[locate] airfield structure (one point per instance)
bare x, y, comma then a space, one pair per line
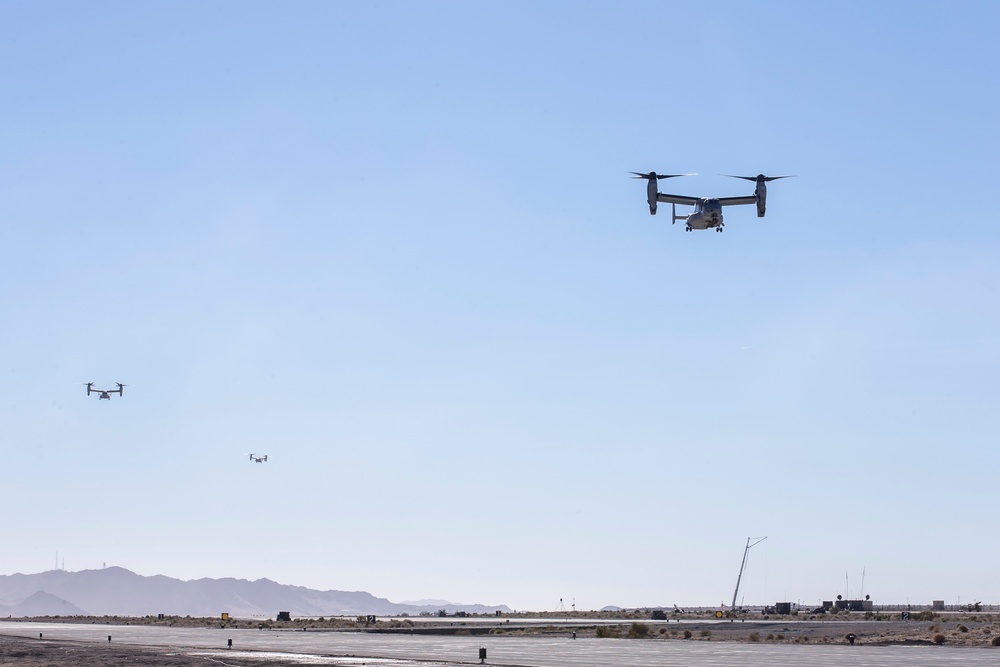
746, 552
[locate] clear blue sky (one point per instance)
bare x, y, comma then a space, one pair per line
395, 246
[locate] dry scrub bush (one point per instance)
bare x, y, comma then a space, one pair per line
755, 637
638, 630
939, 639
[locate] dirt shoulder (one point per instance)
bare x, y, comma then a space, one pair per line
26, 652
879, 633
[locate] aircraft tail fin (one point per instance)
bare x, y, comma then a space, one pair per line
673, 214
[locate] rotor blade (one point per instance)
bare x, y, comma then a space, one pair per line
653, 174
757, 177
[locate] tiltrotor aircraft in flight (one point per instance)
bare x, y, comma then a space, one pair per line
105, 393
707, 210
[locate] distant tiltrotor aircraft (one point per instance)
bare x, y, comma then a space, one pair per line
259, 459
707, 210
105, 393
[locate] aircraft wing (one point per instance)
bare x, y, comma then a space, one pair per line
678, 199
733, 201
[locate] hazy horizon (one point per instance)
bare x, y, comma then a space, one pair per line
561, 607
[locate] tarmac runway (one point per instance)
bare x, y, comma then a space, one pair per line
522, 651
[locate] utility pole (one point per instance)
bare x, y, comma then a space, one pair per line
746, 552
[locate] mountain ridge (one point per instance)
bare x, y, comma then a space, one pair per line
116, 591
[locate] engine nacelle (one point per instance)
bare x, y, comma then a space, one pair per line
761, 190
651, 192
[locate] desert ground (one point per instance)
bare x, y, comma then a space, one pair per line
965, 632
25, 652
979, 630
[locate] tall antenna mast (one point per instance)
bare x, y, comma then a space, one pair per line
746, 552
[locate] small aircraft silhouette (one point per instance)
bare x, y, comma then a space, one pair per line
259, 459
105, 393
707, 212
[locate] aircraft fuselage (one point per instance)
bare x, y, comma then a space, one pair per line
707, 214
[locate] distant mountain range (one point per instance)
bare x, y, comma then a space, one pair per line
115, 591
